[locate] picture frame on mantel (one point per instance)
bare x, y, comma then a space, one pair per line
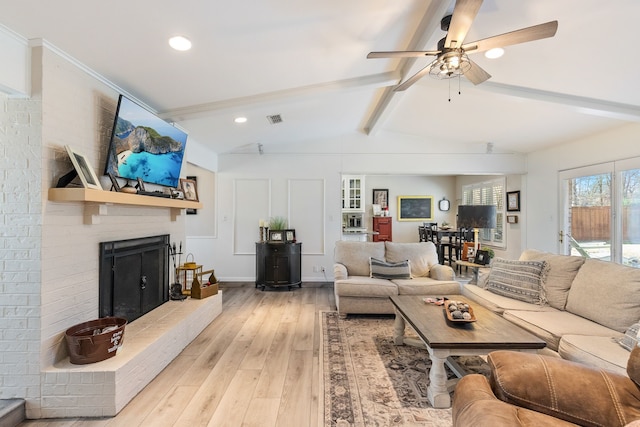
513, 201
85, 172
194, 179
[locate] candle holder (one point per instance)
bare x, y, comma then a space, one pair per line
261, 234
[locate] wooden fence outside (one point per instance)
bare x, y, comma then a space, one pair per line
594, 223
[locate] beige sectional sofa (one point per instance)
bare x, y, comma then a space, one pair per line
585, 307
356, 291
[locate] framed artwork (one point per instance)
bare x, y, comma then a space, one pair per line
191, 211
513, 201
467, 251
290, 235
381, 197
276, 235
415, 208
189, 189
482, 257
85, 172
512, 219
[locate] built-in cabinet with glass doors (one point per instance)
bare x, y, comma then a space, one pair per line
353, 193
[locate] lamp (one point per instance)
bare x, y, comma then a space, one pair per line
476, 217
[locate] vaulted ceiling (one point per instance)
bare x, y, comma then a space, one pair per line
306, 61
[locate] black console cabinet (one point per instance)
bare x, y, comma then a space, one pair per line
278, 264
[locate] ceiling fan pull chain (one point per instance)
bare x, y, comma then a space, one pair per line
459, 90
449, 90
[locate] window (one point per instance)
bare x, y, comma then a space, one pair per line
489, 193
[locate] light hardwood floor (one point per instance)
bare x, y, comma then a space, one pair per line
257, 364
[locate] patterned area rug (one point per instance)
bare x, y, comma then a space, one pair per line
369, 381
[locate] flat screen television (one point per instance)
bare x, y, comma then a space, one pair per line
144, 146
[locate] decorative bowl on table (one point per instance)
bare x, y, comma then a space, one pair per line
459, 312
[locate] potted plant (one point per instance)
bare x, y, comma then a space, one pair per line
278, 223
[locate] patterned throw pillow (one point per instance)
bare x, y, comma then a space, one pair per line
630, 338
521, 280
380, 269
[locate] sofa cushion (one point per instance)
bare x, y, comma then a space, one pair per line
364, 286
381, 269
562, 269
601, 352
519, 280
607, 293
355, 255
498, 303
421, 256
427, 286
552, 325
563, 389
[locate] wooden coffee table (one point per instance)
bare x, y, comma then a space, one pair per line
444, 338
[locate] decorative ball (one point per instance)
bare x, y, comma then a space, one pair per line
466, 315
457, 314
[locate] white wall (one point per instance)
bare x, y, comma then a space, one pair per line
15, 60
542, 200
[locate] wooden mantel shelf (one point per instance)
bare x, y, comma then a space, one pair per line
96, 201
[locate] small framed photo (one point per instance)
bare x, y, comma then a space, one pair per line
482, 257
512, 219
276, 235
289, 235
513, 201
381, 197
115, 186
468, 250
189, 189
85, 171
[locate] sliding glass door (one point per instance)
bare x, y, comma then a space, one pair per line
601, 212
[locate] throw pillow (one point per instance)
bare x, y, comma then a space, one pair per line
630, 338
519, 280
389, 270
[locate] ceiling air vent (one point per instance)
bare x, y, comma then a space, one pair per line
275, 119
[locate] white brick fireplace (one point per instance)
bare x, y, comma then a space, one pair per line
49, 254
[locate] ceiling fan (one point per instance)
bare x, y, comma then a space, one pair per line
451, 57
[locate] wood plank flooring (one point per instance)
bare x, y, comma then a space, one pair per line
257, 364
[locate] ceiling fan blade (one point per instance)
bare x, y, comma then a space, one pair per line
464, 13
476, 74
411, 80
537, 32
402, 54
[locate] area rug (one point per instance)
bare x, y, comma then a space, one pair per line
369, 381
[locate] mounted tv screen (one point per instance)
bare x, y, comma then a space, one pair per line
145, 146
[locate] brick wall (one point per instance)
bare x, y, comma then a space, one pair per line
20, 244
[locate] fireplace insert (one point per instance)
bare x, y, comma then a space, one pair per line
134, 276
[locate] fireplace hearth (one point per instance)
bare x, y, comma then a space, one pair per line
134, 276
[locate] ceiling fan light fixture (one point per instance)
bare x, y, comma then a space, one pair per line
451, 64
494, 53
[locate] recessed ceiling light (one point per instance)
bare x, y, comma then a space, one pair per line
180, 43
494, 53
240, 119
